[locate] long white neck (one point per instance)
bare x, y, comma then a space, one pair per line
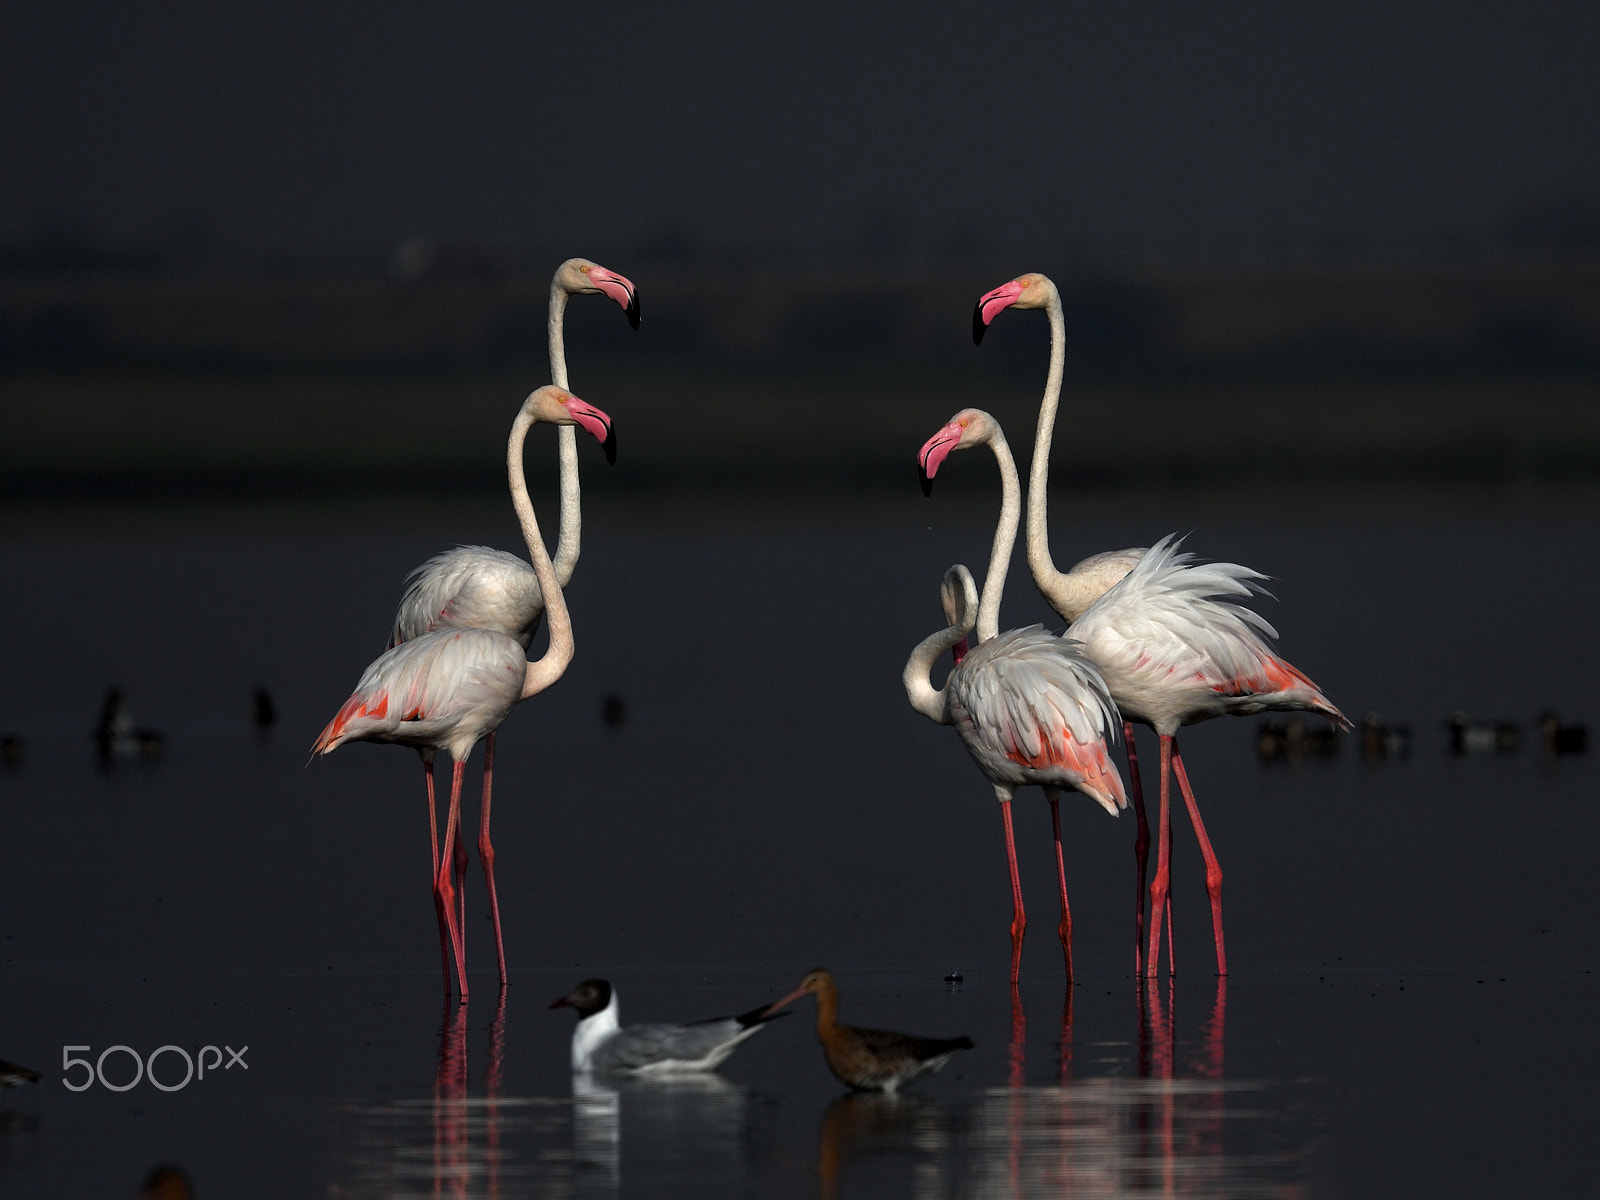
558, 654
1049, 580
569, 532
931, 702
1005, 537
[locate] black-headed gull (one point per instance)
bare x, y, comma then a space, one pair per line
601, 1044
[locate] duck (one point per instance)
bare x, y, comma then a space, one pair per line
869, 1060
1380, 741
1482, 737
1561, 739
602, 1044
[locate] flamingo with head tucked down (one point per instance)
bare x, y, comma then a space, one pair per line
1166, 603
448, 688
1029, 706
476, 587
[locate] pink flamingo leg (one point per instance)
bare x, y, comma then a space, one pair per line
1160, 884
1019, 918
1064, 929
486, 854
444, 888
1141, 844
445, 943
461, 882
1213, 870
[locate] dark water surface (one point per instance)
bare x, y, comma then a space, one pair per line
1413, 943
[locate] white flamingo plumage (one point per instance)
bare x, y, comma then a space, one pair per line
448, 688
1029, 706
1171, 653
480, 588
476, 587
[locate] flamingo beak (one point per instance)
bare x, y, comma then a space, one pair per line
596, 423
620, 289
959, 651
932, 454
990, 304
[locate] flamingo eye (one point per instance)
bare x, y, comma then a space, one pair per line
584, 270
965, 421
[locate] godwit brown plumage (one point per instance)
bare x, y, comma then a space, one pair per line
869, 1059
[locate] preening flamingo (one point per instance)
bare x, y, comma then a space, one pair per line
1028, 705
476, 587
878, 1060
446, 689
601, 1044
1229, 651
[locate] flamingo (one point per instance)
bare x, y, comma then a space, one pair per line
447, 688
1173, 654
879, 1060
476, 587
1028, 705
1069, 592
1138, 639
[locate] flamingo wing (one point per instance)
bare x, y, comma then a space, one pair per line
446, 688
1031, 708
470, 587
1176, 648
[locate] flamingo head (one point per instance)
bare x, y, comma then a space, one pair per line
958, 596
967, 428
1025, 291
580, 277
557, 406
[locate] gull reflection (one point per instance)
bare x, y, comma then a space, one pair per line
687, 1128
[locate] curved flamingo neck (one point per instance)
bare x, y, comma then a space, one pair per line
569, 529
931, 702
1045, 574
1005, 537
550, 667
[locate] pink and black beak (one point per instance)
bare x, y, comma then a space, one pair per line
595, 422
990, 304
933, 453
620, 289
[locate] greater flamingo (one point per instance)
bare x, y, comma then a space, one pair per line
446, 689
877, 1060
1169, 601
1173, 654
476, 587
1069, 592
1028, 705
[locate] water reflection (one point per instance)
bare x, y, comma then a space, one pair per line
1167, 1121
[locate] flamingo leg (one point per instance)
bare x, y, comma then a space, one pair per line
461, 886
486, 854
444, 888
445, 942
1160, 884
1213, 869
1141, 844
1019, 918
1064, 929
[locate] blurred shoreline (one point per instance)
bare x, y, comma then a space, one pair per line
1326, 382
